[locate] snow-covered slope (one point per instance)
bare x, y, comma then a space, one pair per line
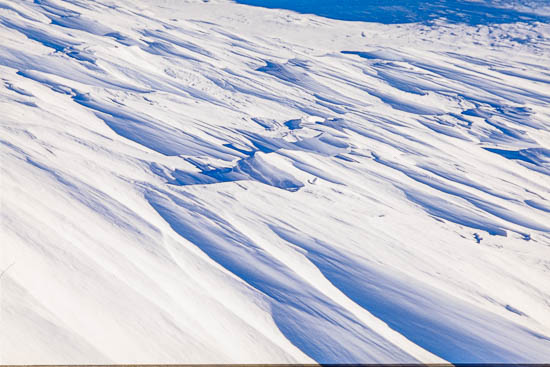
207, 182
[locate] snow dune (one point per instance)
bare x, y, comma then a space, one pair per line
208, 182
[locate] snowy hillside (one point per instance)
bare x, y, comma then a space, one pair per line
209, 182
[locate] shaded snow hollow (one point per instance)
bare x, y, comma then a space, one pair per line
207, 182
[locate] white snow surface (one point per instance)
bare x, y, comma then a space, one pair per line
207, 182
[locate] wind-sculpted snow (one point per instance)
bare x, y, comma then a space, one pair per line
434, 320
299, 311
208, 182
405, 11
251, 168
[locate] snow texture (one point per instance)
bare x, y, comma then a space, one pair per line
211, 182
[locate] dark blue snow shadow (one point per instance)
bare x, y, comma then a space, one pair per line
508, 121
294, 124
312, 322
56, 87
519, 74
536, 159
522, 155
444, 209
152, 134
105, 205
45, 38
447, 210
520, 115
407, 11
167, 37
442, 127
56, 9
538, 205
252, 168
324, 143
388, 55
163, 48
18, 90
68, 46
248, 87
296, 72
469, 82
123, 39
283, 72
463, 180
451, 328
18, 12
342, 125
81, 23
